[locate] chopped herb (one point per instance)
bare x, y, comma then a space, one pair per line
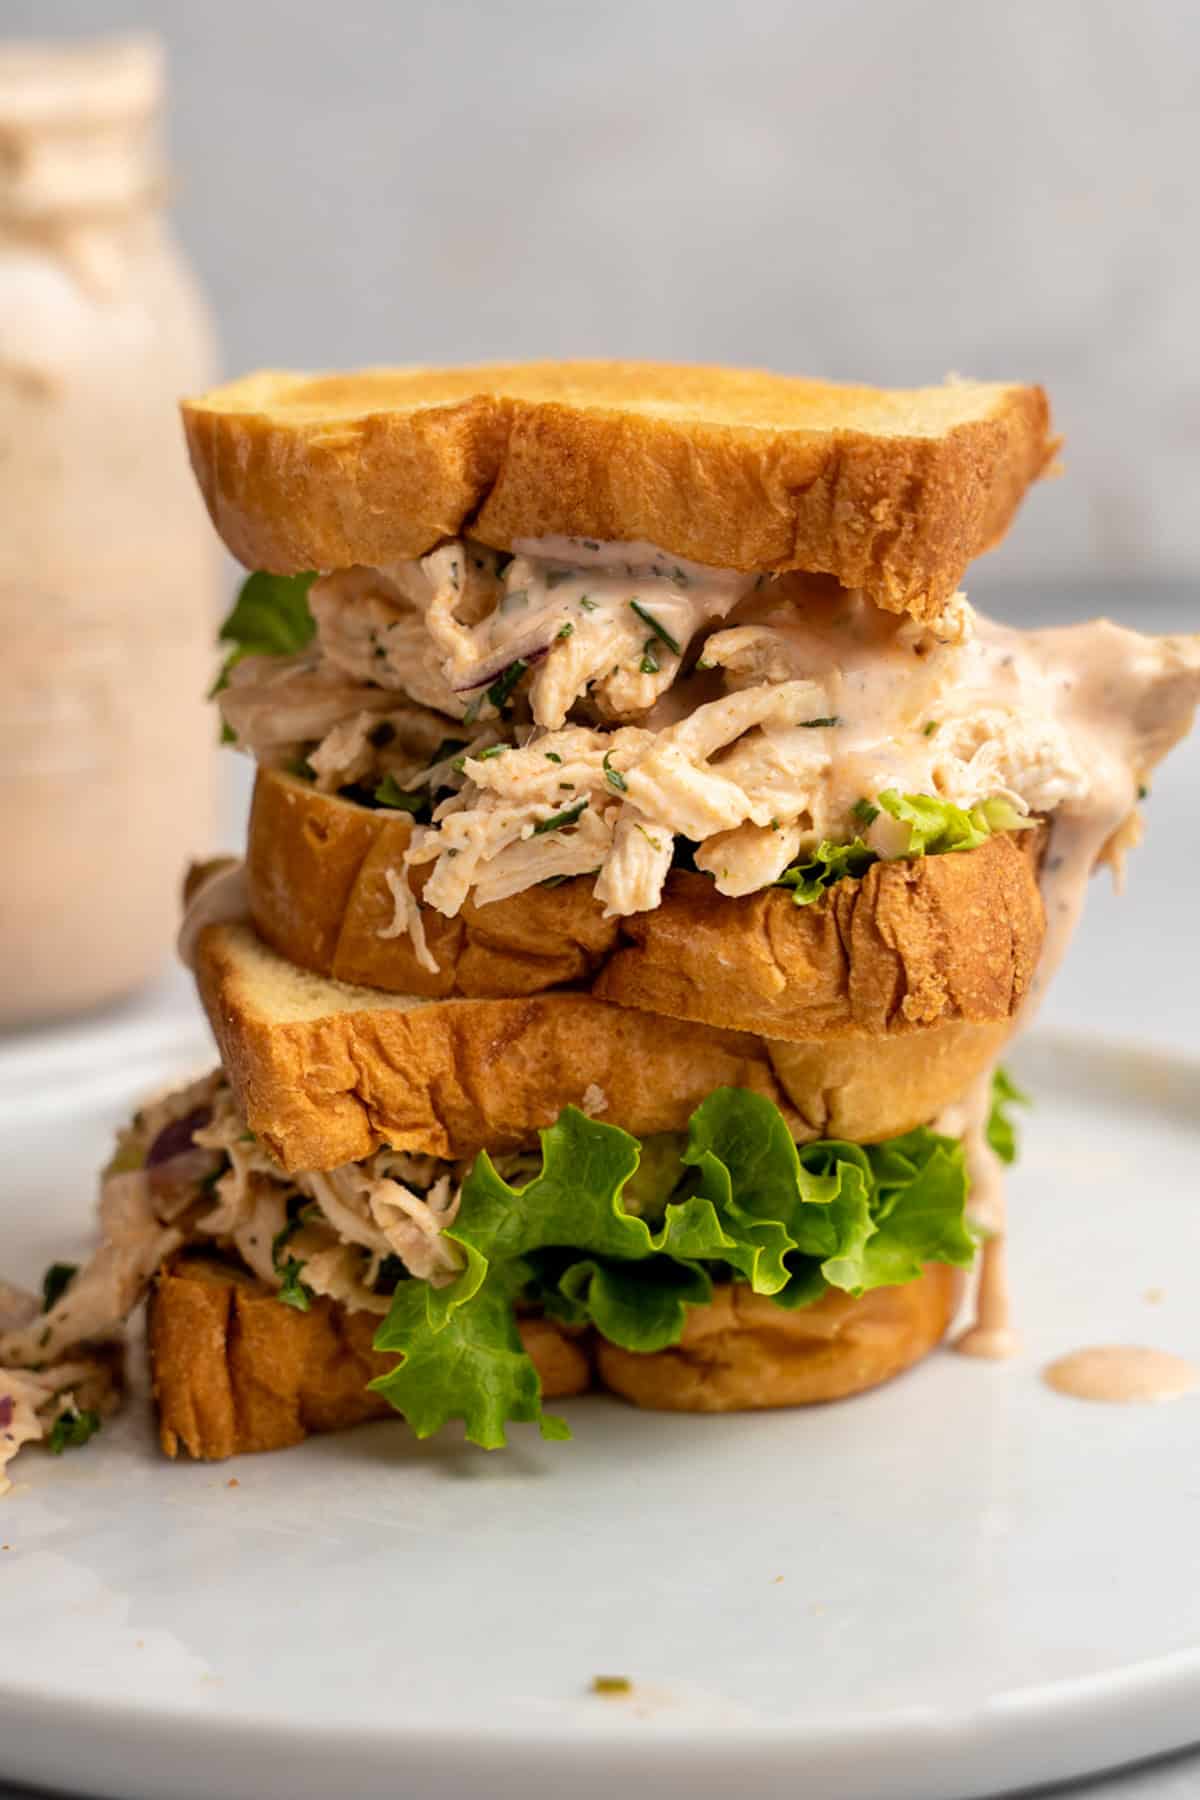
865, 812
587, 605
492, 750
649, 662
552, 756
611, 1684
560, 821
1143, 790
819, 724
72, 1430
292, 1290
382, 734
56, 1281
566, 787
299, 1212
654, 843
472, 712
564, 631
656, 626
228, 734
390, 793
703, 663
613, 776
929, 727
302, 769
504, 684
773, 825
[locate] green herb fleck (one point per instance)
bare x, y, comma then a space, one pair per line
649, 662
820, 724
564, 631
929, 727
490, 752
587, 605
613, 776
657, 627
865, 811
504, 684
72, 1430
552, 756
560, 821
292, 1290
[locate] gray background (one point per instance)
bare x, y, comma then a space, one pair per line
873, 189
877, 189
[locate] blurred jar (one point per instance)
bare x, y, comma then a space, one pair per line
108, 568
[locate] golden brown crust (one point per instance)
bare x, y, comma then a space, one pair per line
315, 869
234, 1371
914, 944
909, 946
890, 491
326, 1073
743, 1352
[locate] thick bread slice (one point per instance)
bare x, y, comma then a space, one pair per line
316, 873
909, 946
327, 1073
745, 1352
233, 1370
945, 938
893, 491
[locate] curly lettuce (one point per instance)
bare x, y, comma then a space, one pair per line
935, 828
270, 617
628, 1237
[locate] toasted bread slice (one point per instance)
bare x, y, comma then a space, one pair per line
743, 1352
911, 944
316, 875
892, 491
327, 1073
908, 946
233, 1370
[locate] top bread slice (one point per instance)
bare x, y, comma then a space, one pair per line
891, 491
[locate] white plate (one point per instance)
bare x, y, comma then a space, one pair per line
961, 1583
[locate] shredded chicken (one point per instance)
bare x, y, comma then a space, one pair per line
32, 1401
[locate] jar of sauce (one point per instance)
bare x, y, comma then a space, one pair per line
108, 577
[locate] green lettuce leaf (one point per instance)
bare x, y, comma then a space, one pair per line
935, 827
739, 1200
270, 617
1001, 1130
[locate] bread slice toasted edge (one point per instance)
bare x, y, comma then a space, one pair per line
891, 491
911, 944
326, 1073
234, 1371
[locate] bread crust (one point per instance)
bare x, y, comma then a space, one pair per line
912, 944
908, 946
316, 873
744, 1353
235, 1371
891, 491
327, 1074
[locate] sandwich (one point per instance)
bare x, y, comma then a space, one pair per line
652, 854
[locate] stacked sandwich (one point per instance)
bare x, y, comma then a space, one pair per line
650, 855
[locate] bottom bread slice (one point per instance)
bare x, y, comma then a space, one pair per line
233, 1370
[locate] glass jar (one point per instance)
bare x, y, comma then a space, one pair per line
109, 578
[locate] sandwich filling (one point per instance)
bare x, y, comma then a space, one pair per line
595, 1229
605, 710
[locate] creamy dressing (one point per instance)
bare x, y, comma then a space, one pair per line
108, 570
1123, 1374
990, 1335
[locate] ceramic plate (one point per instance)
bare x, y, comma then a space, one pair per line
960, 1583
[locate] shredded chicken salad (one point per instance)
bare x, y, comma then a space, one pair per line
187, 1172
585, 709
